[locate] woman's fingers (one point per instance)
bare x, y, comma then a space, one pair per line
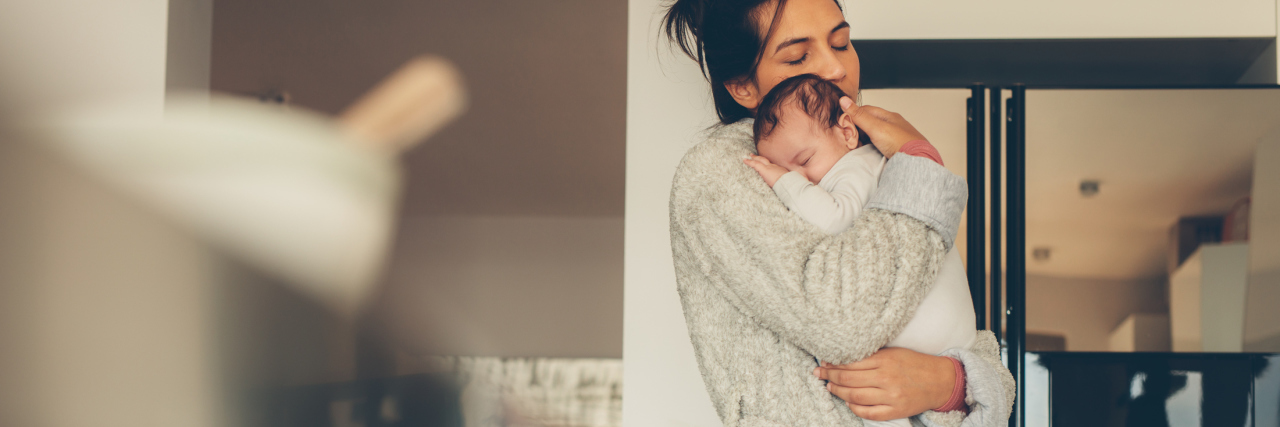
870, 362
839, 373
877, 122
865, 396
870, 403
887, 129
846, 103
871, 112
876, 412
853, 378
910, 382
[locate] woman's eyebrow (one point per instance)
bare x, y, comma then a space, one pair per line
790, 42
843, 24
798, 40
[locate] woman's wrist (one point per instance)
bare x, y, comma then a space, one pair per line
955, 402
921, 148
939, 392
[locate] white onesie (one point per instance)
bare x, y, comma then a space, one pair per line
945, 317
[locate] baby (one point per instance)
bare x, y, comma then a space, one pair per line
811, 155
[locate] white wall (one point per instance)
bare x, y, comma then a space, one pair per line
1141, 332
1223, 293
506, 286
1207, 299
668, 103
1262, 320
63, 53
1015, 19
114, 305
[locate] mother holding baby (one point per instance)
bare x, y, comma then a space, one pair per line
766, 295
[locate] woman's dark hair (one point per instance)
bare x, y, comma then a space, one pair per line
726, 40
816, 97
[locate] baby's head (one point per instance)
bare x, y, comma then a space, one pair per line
800, 126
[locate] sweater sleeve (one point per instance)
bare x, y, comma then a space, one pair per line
989, 387
839, 298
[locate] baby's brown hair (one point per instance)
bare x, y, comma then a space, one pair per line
818, 98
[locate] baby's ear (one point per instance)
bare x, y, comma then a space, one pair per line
848, 131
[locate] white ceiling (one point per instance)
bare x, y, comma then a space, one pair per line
1160, 155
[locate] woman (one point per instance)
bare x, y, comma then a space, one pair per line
766, 295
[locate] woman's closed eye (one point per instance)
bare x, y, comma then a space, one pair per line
799, 61
842, 48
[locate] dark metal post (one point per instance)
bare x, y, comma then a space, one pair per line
997, 270
977, 227
1017, 275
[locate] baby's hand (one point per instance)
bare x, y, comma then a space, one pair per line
767, 170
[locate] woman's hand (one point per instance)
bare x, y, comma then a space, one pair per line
887, 130
892, 383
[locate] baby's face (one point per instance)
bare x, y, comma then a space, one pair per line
800, 143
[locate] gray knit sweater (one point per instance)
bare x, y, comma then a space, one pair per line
767, 294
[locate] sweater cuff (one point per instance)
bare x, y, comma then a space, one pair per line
922, 148
956, 401
922, 189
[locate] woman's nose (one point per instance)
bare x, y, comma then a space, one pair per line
830, 68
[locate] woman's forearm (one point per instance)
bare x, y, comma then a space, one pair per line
955, 402
920, 384
989, 387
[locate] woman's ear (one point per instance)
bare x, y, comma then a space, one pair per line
744, 91
848, 131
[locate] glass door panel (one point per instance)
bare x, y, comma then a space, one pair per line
1128, 192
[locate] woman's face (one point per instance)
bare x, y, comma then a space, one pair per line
811, 37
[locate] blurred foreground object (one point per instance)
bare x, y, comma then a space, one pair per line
158, 269
291, 192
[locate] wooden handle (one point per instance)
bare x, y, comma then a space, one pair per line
408, 106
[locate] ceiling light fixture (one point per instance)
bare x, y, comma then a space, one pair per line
1089, 187
1040, 254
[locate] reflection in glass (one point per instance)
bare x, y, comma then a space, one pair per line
1152, 389
1146, 220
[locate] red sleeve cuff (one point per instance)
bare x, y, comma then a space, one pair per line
921, 148
956, 402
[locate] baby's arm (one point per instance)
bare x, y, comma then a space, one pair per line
832, 211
